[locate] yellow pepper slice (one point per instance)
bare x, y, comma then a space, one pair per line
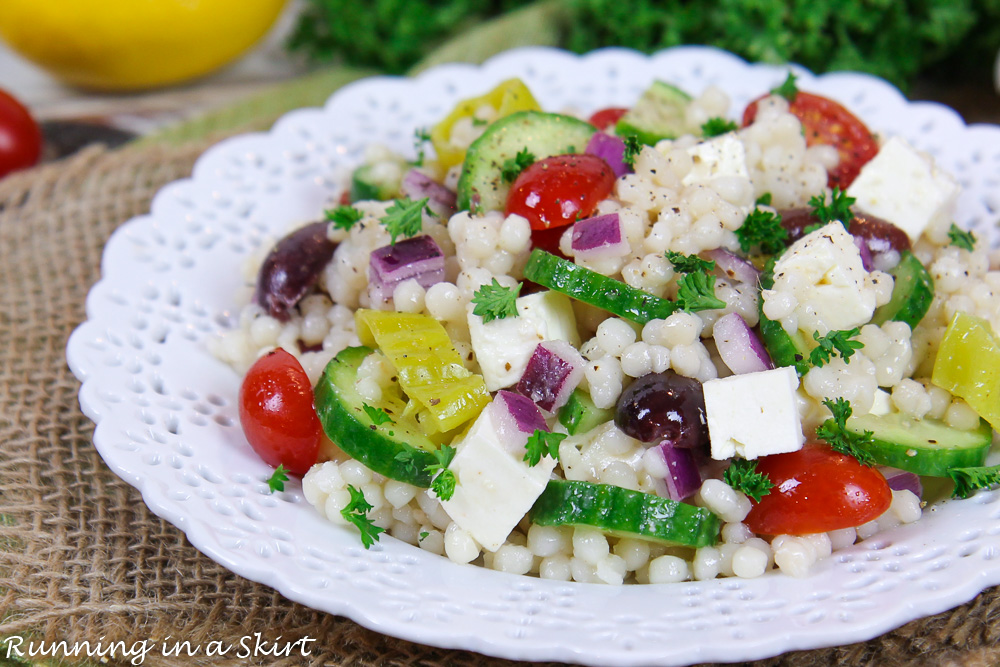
968, 365
510, 96
430, 370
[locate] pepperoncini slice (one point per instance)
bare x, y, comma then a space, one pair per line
968, 365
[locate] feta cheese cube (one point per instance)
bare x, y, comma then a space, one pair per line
753, 414
906, 188
495, 486
720, 156
882, 404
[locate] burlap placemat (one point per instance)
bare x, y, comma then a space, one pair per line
81, 558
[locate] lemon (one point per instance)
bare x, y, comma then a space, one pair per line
133, 44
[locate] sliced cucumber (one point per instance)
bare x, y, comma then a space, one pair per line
580, 415
598, 290
625, 513
785, 349
912, 292
661, 113
397, 450
481, 186
366, 185
922, 446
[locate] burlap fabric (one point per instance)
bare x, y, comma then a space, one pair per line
80, 555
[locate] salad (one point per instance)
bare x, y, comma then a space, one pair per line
647, 346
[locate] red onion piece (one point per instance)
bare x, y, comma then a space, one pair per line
900, 480
599, 237
419, 258
864, 251
417, 185
516, 418
733, 266
682, 478
553, 372
291, 269
611, 149
739, 346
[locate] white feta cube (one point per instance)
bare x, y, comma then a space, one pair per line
906, 188
753, 414
882, 404
720, 156
495, 487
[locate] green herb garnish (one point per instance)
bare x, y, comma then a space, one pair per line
422, 536
961, 238
696, 291
277, 481
714, 127
632, 149
356, 512
834, 343
542, 443
377, 415
513, 166
404, 218
842, 440
788, 89
495, 302
969, 480
344, 216
742, 475
762, 229
689, 263
839, 207
443, 483
420, 138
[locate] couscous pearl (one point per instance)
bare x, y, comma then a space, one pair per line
459, 545
513, 559
555, 567
749, 562
668, 570
546, 541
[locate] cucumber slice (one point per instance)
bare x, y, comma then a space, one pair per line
922, 446
660, 113
366, 186
580, 415
341, 412
625, 513
785, 349
912, 293
481, 187
598, 290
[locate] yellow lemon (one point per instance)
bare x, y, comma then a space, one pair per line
133, 44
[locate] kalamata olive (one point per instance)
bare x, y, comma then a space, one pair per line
291, 269
879, 235
663, 406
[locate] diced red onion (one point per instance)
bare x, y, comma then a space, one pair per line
682, 478
611, 149
739, 346
419, 258
733, 266
900, 480
553, 372
599, 237
417, 185
516, 418
865, 252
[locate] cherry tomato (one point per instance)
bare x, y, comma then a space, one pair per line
559, 190
20, 137
277, 412
816, 490
605, 118
827, 122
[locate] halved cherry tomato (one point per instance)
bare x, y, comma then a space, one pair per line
20, 137
816, 490
559, 190
277, 412
827, 122
604, 118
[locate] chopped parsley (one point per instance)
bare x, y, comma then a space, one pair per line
406, 458
632, 149
696, 288
423, 536
356, 512
420, 138
277, 481
377, 415
762, 229
443, 483
969, 480
961, 238
495, 302
839, 207
834, 343
742, 475
764, 199
788, 89
404, 218
716, 126
842, 440
542, 443
513, 166
689, 263
344, 216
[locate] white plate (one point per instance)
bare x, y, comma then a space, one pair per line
167, 420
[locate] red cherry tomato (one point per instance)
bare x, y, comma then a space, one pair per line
605, 118
827, 122
559, 190
277, 412
20, 137
816, 490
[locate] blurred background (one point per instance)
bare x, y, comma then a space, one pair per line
175, 70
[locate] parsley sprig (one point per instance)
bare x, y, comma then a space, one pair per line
842, 440
443, 483
356, 512
689, 263
420, 138
788, 89
960, 238
696, 289
835, 343
495, 302
513, 166
377, 415
632, 149
742, 475
762, 229
714, 127
839, 207
277, 481
344, 216
404, 218
542, 443
969, 480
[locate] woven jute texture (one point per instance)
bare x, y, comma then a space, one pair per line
81, 558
